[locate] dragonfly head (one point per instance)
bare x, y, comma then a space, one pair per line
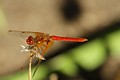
30, 40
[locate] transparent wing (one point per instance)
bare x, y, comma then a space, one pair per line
23, 34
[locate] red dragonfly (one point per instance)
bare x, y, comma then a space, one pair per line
38, 43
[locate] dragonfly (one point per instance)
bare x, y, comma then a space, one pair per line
38, 43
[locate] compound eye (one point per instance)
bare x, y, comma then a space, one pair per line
30, 40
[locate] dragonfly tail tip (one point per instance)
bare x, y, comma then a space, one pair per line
85, 39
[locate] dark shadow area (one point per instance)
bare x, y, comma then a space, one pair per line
70, 10
90, 75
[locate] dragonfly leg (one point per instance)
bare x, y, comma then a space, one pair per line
49, 44
39, 47
43, 52
46, 46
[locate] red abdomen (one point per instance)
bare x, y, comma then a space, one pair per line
69, 39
